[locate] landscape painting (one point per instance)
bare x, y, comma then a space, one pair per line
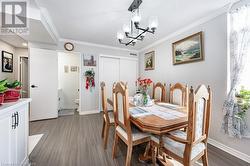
188, 49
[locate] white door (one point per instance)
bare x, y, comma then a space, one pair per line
128, 73
43, 72
109, 73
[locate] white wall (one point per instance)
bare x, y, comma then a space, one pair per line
68, 82
7, 47
212, 71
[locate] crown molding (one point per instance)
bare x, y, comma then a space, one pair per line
49, 25
215, 14
96, 45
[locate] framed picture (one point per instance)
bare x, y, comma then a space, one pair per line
73, 68
149, 60
7, 62
66, 68
89, 60
189, 49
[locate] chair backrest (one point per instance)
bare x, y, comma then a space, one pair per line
121, 107
104, 101
159, 96
199, 114
178, 94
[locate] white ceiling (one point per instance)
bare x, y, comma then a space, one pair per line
14, 40
97, 21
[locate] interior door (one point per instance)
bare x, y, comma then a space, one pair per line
109, 73
43, 65
129, 74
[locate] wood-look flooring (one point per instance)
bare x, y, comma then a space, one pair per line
76, 141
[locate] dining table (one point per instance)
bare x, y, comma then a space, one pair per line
164, 118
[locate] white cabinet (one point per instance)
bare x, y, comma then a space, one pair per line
14, 133
6, 133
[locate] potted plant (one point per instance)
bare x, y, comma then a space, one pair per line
2, 90
243, 101
13, 92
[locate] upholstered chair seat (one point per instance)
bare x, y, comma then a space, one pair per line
177, 147
136, 134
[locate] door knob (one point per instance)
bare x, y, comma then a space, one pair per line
34, 86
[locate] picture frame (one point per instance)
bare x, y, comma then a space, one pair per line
73, 68
189, 49
66, 68
149, 60
7, 62
89, 60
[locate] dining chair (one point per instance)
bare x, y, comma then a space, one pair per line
108, 116
178, 94
160, 97
188, 147
123, 130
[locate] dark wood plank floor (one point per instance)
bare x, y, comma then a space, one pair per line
76, 141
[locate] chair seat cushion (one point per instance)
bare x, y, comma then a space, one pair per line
136, 134
177, 147
111, 117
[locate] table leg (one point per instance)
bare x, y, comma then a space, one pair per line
146, 155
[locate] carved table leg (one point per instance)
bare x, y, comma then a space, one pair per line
146, 155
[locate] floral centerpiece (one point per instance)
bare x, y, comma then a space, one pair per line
144, 85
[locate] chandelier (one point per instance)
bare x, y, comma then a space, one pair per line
132, 31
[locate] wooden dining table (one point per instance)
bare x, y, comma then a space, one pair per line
157, 125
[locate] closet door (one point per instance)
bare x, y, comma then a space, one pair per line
109, 73
129, 74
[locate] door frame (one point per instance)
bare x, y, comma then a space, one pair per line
80, 74
115, 57
19, 70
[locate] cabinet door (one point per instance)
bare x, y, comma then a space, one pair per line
6, 140
21, 138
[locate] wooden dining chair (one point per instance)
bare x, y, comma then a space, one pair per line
178, 94
108, 116
162, 88
123, 130
188, 147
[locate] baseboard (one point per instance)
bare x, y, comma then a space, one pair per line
89, 112
229, 150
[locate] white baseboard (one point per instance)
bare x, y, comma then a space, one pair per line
89, 112
229, 150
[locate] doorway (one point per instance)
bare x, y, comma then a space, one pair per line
68, 83
24, 76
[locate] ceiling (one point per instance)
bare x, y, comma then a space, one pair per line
97, 21
14, 40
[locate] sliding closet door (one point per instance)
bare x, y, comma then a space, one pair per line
129, 73
109, 73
